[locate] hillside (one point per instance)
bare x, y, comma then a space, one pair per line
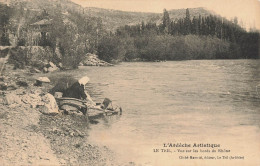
112, 19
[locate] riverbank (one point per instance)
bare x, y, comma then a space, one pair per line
29, 137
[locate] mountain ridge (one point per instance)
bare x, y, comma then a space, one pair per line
112, 19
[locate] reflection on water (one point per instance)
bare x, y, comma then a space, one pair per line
212, 101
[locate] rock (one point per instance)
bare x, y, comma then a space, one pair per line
44, 79
34, 70
41, 80
52, 64
81, 64
60, 65
50, 106
93, 60
45, 70
52, 69
33, 99
11, 99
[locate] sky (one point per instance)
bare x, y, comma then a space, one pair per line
247, 11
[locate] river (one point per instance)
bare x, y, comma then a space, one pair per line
202, 101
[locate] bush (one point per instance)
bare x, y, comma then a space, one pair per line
166, 47
111, 48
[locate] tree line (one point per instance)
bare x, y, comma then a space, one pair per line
74, 35
209, 37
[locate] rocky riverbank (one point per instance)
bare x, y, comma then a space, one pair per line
93, 60
29, 137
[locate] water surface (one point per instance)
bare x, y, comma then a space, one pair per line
207, 101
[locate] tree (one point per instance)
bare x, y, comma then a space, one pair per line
187, 22
142, 26
166, 21
195, 26
109, 49
5, 14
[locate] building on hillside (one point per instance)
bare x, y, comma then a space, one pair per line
38, 32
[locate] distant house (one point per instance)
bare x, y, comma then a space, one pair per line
39, 32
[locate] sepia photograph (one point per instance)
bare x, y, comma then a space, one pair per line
130, 82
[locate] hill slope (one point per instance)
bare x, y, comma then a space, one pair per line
112, 19
115, 18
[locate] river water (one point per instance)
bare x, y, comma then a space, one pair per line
204, 101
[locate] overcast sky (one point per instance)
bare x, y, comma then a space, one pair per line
246, 10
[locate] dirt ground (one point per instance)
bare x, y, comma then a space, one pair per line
29, 137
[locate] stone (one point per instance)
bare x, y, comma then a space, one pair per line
41, 80
93, 60
12, 99
50, 106
52, 69
60, 65
34, 70
44, 79
52, 64
33, 99
45, 70
81, 64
